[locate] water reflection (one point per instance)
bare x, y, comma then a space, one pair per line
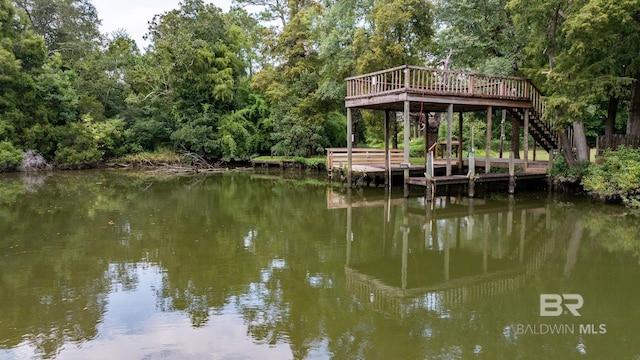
127, 265
448, 252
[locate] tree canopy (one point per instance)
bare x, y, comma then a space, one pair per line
238, 84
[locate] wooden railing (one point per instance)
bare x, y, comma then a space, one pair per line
337, 157
423, 80
437, 81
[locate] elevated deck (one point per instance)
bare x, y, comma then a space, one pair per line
435, 89
412, 89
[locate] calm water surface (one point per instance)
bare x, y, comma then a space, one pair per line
119, 265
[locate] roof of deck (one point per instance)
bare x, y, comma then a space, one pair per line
431, 89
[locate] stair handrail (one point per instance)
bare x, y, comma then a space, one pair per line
539, 106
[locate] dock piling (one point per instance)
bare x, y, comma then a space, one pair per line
512, 173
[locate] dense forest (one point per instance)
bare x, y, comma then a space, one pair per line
234, 85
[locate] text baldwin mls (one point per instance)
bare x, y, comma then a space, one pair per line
557, 305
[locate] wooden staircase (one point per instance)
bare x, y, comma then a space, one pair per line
541, 131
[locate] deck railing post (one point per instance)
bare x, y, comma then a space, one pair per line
472, 80
406, 78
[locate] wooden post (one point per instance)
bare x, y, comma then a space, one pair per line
407, 134
430, 188
512, 173
349, 147
387, 157
472, 173
526, 139
426, 132
487, 164
460, 141
502, 136
449, 137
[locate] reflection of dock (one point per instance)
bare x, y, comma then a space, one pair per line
336, 200
426, 279
400, 302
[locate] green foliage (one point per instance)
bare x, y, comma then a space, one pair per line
398, 32
68, 27
416, 147
616, 176
480, 35
561, 171
10, 156
77, 145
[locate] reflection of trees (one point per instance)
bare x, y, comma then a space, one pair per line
52, 283
270, 250
622, 237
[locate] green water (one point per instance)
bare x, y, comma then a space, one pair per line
119, 265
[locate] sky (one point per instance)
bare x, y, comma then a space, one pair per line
133, 15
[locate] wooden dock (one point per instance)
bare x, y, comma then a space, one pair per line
418, 91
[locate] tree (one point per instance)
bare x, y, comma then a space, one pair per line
272, 10
587, 66
480, 35
397, 32
103, 77
190, 80
21, 55
67, 26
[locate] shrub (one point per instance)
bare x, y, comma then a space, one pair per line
616, 176
561, 171
10, 157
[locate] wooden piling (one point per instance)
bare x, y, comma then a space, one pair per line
430, 188
472, 173
512, 173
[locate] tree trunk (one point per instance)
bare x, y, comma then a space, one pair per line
567, 150
580, 140
633, 122
612, 111
432, 128
515, 137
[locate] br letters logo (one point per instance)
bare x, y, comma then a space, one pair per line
555, 304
